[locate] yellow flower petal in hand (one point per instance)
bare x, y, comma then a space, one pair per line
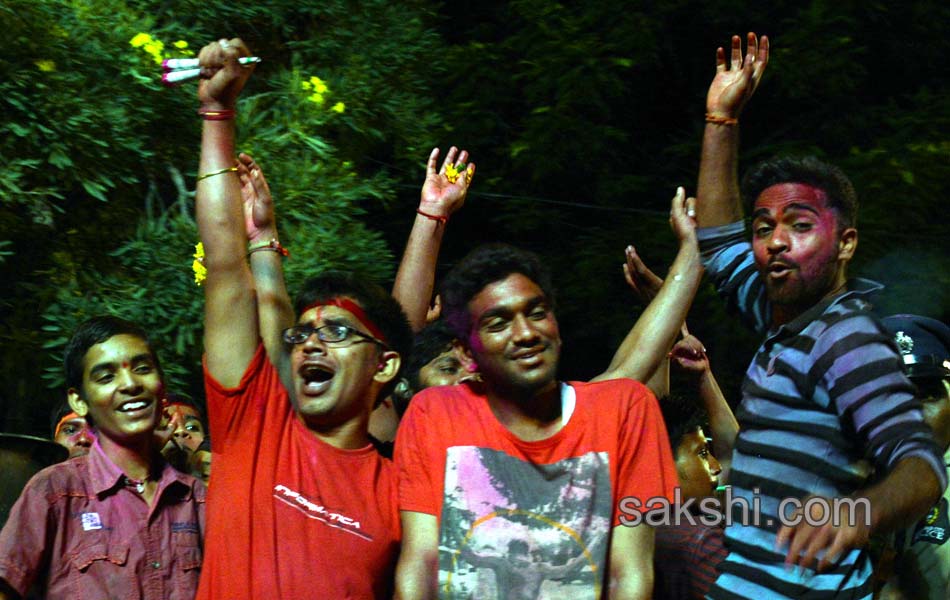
451, 173
339, 107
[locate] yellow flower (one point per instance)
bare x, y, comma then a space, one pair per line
338, 107
45, 65
181, 44
316, 98
198, 265
451, 173
140, 40
318, 85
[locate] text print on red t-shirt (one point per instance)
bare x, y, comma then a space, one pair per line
316, 511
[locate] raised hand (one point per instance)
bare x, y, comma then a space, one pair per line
731, 88
259, 221
645, 283
683, 217
222, 77
444, 190
690, 354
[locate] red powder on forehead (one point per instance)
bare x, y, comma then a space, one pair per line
356, 311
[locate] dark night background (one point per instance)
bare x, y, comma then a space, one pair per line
581, 117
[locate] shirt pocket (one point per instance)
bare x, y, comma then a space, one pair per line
186, 569
101, 570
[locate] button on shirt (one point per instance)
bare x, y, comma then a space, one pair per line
79, 531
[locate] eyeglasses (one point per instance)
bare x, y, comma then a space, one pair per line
298, 334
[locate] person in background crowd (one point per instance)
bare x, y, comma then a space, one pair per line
922, 565
71, 431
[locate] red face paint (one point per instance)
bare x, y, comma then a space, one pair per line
354, 309
795, 242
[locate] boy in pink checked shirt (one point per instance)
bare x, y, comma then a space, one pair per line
118, 522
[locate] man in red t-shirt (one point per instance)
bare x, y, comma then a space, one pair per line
510, 487
302, 505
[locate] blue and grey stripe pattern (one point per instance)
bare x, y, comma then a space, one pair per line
823, 402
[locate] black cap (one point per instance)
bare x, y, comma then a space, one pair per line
924, 344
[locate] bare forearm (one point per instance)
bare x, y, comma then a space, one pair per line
274, 307
415, 580
649, 342
228, 288
722, 421
717, 193
904, 496
415, 279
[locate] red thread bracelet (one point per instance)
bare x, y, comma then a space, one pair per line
442, 220
271, 246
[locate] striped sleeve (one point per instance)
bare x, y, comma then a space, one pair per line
866, 383
727, 256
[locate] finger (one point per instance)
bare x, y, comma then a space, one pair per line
762, 59
449, 158
260, 184
433, 159
684, 331
838, 546
751, 46
469, 174
736, 53
817, 543
691, 207
801, 540
677, 206
720, 60
784, 536
628, 276
463, 157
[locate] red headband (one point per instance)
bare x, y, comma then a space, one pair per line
356, 311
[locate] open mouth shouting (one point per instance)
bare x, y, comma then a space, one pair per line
316, 377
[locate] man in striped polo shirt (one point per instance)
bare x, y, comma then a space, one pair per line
824, 399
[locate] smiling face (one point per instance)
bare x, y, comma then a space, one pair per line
697, 468
121, 389
337, 382
797, 246
514, 337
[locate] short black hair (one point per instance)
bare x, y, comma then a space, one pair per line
434, 339
809, 170
481, 267
381, 308
96, 331
682, 416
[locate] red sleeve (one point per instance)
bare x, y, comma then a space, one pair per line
23, 542
229, 408
645, 462
417, 460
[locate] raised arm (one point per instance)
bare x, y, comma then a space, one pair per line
718, 188
443, 193
274, 308
646, 285
647, 344
690, 355
231, 332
